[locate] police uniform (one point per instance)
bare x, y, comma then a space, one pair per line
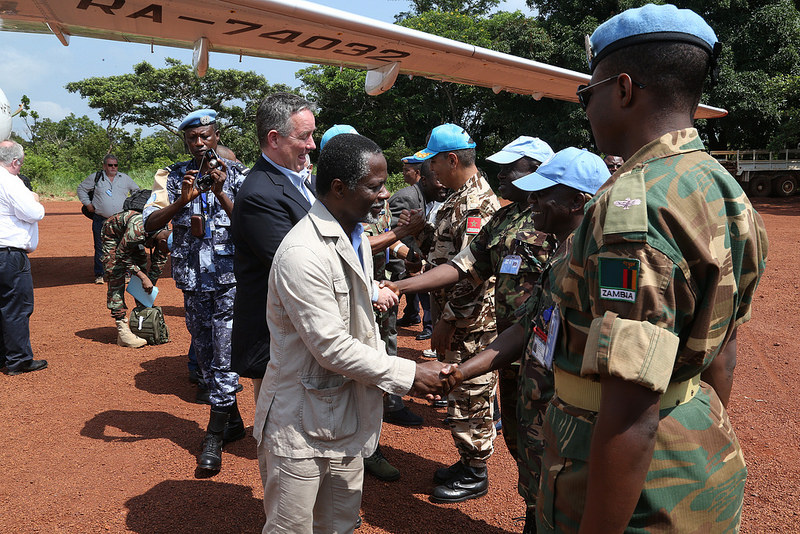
124, 251
202, 268
661, 271
470, 308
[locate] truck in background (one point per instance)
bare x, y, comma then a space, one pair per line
763, 172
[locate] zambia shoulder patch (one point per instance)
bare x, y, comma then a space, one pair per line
619, 278
474, 225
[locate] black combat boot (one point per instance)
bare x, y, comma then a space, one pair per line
234, 430
470, 483
211, 457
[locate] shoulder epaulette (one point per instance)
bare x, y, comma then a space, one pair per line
626, 211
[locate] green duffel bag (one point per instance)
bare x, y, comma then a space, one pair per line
148, 324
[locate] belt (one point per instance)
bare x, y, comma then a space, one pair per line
14, 249
585, 393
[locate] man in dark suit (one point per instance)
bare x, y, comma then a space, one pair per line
275, 195
426, 194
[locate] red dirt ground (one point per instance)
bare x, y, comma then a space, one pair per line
105, 439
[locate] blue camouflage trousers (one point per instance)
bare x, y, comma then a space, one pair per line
209, 319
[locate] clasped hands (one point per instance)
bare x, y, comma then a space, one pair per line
435, 380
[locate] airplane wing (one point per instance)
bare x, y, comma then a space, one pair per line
296, 30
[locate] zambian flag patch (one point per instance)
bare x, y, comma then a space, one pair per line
619, 279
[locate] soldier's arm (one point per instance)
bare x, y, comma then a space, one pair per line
440, 276
157, 261
622, 447
504, 350
159, 218
719, 375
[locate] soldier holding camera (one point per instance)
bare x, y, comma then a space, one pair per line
201, 192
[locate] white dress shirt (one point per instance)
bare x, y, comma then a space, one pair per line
298, 179
19, 214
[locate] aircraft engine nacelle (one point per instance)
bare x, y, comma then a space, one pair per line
5, 117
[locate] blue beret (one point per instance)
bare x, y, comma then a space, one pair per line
201, 117
647, 24
335, 130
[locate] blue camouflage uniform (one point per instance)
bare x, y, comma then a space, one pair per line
203, 269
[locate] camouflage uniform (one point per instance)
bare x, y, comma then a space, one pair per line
662, 270
387, 321
203, 269
124, 251
471, 309
510, 232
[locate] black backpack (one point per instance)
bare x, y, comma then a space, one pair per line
137, 200
90, 193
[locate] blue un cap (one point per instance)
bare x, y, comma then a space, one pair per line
445, 138
411, 160
647, 24
524, 146
335, 130
201, 117
573, 167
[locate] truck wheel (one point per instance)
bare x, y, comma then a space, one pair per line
760, 186
785, 186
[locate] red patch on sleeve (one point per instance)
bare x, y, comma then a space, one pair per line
473, 225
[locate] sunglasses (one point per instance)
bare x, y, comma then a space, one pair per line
113, 164
584, 92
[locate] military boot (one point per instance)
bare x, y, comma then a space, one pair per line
234, 430
126, 338
470, 483
211, 457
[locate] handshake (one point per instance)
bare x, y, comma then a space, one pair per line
434, 380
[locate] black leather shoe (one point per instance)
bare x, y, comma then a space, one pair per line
234, 430
408, 321
444, 474
403, 417
473, 482
194, 376
211, 457
28, 367
425, 334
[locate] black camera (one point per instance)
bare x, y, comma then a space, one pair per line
204, 182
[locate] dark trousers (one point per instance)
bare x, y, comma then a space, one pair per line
413, 303
97, 232
16, 307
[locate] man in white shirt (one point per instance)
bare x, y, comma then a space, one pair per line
20, 212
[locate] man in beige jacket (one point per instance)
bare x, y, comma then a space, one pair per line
319, 410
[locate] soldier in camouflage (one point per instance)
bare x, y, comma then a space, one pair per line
559, 190
661, 272
124, 250
202, 267
509, 248
466, 322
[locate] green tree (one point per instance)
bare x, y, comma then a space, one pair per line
154, 97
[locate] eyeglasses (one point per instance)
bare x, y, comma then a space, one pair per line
584, 93
113, 164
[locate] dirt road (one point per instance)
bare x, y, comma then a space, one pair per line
105, 439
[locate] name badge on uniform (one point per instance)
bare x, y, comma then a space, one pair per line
473, 225
544, 342
108, 192
511, 264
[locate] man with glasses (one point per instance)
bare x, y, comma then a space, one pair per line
110, 189
661, 272
275, 195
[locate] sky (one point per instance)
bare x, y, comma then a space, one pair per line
39, 66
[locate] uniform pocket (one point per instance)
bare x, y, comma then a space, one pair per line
342, 293
329, 411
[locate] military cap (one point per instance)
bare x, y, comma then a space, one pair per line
411, 160
335, 130
650, 23
200, 117
523, 146
445, 138
573, 167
